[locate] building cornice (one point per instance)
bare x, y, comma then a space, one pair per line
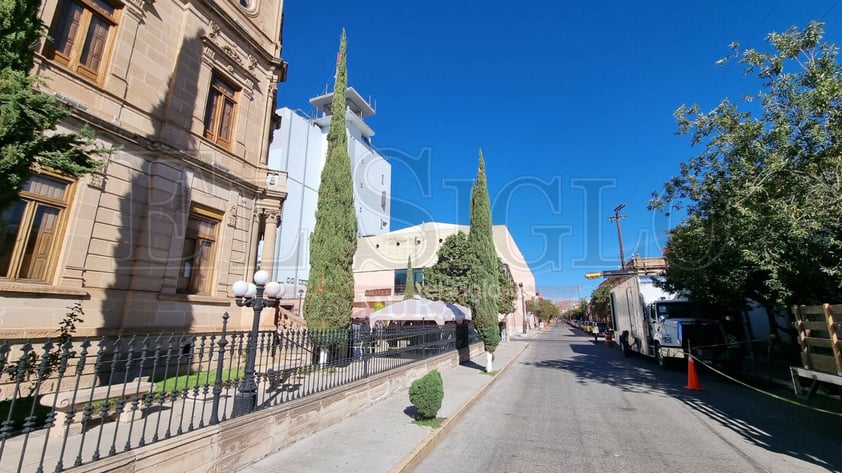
162, 148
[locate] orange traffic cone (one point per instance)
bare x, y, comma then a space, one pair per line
692, 377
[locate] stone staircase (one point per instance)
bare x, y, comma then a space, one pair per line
290, 320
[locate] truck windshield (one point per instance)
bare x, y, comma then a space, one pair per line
679, 310
701, 334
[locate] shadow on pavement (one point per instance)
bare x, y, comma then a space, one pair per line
472, 364
772, 419
412, 412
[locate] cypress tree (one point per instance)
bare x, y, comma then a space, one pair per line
330, 295
409, 292
483, 275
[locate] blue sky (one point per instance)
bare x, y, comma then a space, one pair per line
571, 103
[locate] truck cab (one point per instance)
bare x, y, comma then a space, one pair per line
667, 326
681, 327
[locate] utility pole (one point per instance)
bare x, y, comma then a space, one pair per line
617, 217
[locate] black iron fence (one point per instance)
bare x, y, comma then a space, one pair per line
64, 406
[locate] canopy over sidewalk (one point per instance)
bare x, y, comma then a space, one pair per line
422, 310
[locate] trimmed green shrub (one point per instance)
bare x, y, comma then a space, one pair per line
426, 394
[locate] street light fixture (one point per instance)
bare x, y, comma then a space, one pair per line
251, 295
523, 301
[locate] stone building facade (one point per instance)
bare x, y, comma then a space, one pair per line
184, 93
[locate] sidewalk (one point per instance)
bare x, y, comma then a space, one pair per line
383, 439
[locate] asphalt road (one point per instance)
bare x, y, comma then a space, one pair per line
569, 405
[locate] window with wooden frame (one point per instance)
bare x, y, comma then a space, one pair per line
197, 256
31, 229
82, 32
220, 111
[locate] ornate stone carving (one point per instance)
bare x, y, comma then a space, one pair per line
96, 180
232, 216
213, 30
222, 53
272, 216
232, 53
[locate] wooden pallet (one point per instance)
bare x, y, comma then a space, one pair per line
819, 332
820, 337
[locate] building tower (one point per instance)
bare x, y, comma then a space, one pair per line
299, 147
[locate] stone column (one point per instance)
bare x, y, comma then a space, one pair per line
254, 241
270, 232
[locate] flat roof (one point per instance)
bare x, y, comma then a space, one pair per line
355, 101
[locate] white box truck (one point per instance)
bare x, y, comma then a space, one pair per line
655, 323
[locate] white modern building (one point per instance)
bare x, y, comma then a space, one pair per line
299, 147
380, 266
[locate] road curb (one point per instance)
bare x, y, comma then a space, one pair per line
409, 462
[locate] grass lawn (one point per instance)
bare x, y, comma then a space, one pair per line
433, 423
193, 380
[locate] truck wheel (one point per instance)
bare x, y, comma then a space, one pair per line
663, 363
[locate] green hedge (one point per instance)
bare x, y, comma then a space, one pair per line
426, 394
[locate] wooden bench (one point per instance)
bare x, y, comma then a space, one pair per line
76, 401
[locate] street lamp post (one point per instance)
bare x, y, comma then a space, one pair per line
300, 308
251, 295
523, 301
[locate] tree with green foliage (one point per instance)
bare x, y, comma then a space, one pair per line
409, 291
507, 289
29, 118
330, 295
576, 312
763, 198
483, 275
601, 302
543, 309
447, 279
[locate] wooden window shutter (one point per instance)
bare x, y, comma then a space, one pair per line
225, 122
67, 28
95, 45
210, 114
